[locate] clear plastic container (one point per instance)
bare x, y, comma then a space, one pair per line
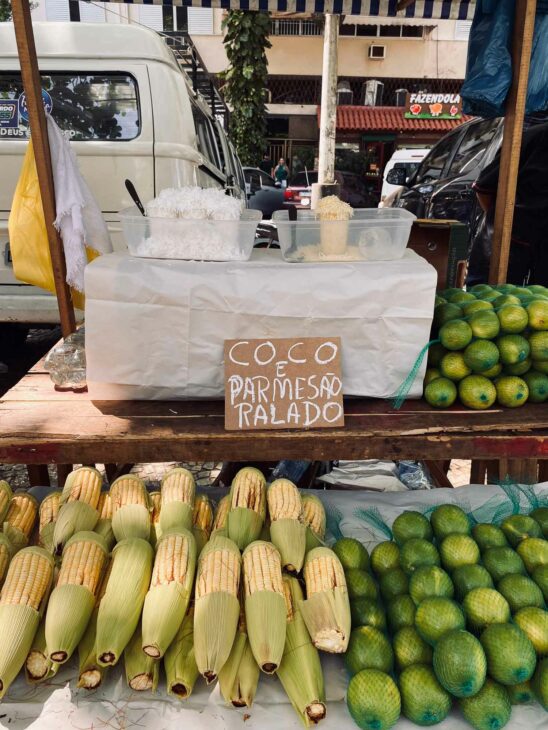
372, 234
198, 239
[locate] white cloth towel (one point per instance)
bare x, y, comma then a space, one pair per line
79, 219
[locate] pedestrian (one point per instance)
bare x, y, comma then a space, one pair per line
528, 262
281, 173
266, 164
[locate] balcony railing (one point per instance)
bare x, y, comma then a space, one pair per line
295, 27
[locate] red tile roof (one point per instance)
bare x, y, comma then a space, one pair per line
388, 119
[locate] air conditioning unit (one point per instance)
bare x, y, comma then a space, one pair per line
376, 53
345, 95
401, 95
373, 91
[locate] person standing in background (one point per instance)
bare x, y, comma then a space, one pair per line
281, 173
266, 164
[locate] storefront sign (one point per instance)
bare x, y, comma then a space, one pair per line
433, 106
9, 115
283, 383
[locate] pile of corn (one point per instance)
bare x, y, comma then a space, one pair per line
164, 579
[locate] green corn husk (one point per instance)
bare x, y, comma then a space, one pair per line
229, 672
300, 671
6, 554
48, 513
130, 508
247, 506
169, 594
38, 665
265, 532
239, 676
16, 537
73, 517
104, 523
91, 674
5, 497
180, 661
142, 672
221, 517
73, 599
202, 521
177, 506
315, 521
287, 528
216, 607
121, 606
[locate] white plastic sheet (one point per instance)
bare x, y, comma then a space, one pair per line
155, 329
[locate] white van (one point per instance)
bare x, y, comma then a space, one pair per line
131, 113
409, 160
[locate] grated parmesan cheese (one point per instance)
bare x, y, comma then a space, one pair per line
332, 208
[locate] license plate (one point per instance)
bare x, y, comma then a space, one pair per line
305, 194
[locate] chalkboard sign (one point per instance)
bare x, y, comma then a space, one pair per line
283, 384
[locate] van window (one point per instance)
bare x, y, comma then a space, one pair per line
433, 165
87, 106
206, 139
473, 146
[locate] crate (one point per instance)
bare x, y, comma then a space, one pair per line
444, 244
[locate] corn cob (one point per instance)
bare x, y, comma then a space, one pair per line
287, 529
79, 501
38, 665
169, 594
202, 521
73, 598
178, 490
326, 610
22, 602
104, 523
314, 519
221, 515
122, 603
90, 672
20, 519
180, 662
6, 552
5, 499
247, 506
300, 671
155, 499
265, 613
130, 508
47, 516
239, 676
216, 607
142, 672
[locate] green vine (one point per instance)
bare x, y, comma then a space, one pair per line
5, 10
246, 41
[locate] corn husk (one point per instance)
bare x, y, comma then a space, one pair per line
104, 523
180, 661
326, 610
265, 532
202, 521
5, 498
221, 517
155, 499
142, 672
265, 612
177, 506
20, 519
315, 521
6, 553
130, 508
121, 606
73, 598
169, 594
91, 673
287, 529
239, 676
247, 506
300, 671
216, 608
79, 501
48, 513
38, 665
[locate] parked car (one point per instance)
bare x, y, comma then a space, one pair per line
262, 192
354, 190
406, 159
130, 112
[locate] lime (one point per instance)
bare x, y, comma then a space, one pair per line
520, 592
444, 313
521, 694
439, 300
501, 561
513, 319
400, 613
410, 648
436, 616
365, 612
539, 346
485, 606
505, 299
513, 349
416, 552
533, 551
510, 654
487, 535
424, 701
458, 550
478, 288
512, 391
461, 297
534, 622
430, 375
505, 288
477, 392
485, 325
479, 305
457, 334
460, 664
518, 527
481, 355
493, 372
468, 577
448, 519
435, 354
538, 386
488, 296
360, 584
540, 683
541, 366
540, 576
384, 556
440, 393
454, 367
373, 700
520, 368
351, 553
393, 583
538, 315
489, 709
538, 289
368, 648
411, 524
540, 515
428, 582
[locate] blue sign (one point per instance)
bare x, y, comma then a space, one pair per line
9, 115
23, 110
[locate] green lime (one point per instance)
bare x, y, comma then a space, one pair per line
520, 368
436, 616
522, 291
360, 584
460, 664
448, 519
493, 372
444, 313
410, 524
373, 700
393, 583
485, 325
410, 648
479, 305
541, 366
534, 622
454, 367
540, 515
428, 582
424, 701
478, 288
538, 386
365, 612
510, 654
512, 391
540, 683
539, 346
477, 392
513, 349
538, 315
487, 535
440, 393
533, 551
519, 527
489, 709
431, 374
520, 592
457, 550
538, 289
351, 553
488, 296
457, 334
485, 606
400, 613
468, 577
540, 576
505, 299
439, 300
513, 319
368, 648
384, 556
417, 552
461, 297
435, 354
501, 561
521, 694
480, 355
505, 288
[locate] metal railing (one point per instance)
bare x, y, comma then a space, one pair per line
295, 27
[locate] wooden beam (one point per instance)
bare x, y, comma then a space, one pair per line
38, 126
524, 26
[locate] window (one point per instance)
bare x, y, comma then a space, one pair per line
473, 146
409, 167
392, 30
433, 165
88, 106
207, 144
304, 179
200, 21
267, 181
295, 27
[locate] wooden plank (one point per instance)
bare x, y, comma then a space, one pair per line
478, 471
38, 125
63, 470
543, 471
438, 474
524, 25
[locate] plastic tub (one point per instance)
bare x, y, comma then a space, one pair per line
372, 234
198, 239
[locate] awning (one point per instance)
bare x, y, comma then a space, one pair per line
388, 119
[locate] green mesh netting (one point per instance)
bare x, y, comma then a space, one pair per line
333, 518
373, 519
403, 391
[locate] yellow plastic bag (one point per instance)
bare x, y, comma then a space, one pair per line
29, 244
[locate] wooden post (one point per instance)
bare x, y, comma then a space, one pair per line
39, 131
524, 26
328, 116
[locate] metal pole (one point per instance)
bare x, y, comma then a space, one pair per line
328, 120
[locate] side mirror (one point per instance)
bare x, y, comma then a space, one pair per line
397, 176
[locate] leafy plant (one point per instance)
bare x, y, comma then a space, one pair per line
246, 41
5, 10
